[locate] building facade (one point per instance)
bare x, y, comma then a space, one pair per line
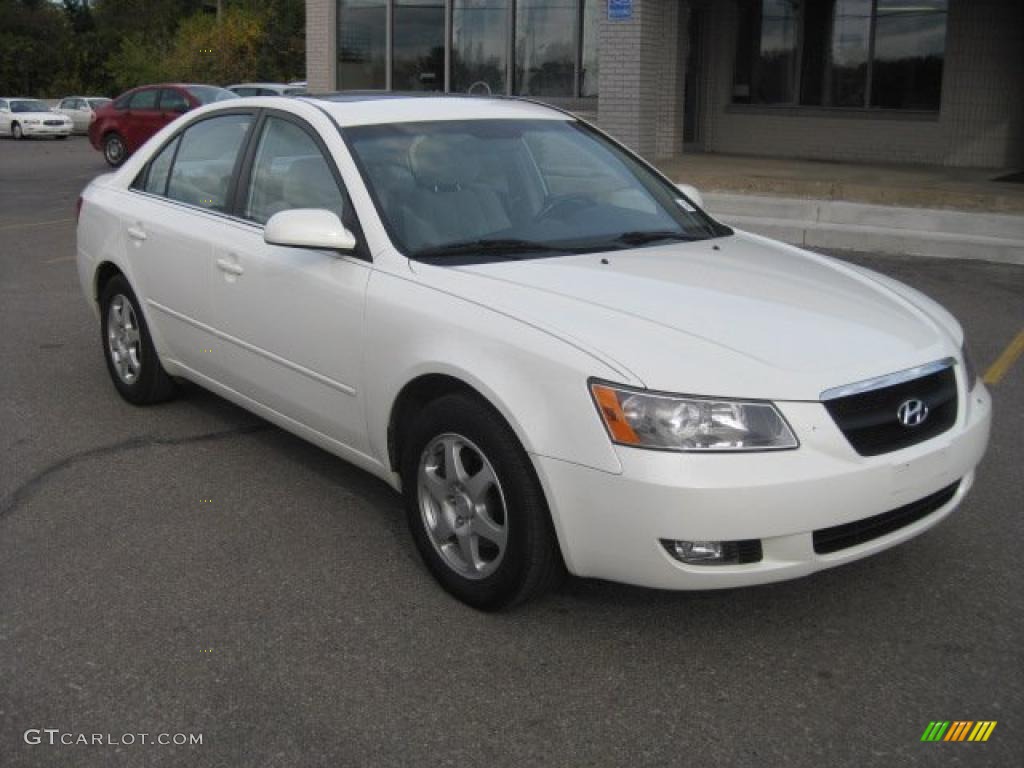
904, 81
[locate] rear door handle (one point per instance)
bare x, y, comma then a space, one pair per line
136, 233
231, 267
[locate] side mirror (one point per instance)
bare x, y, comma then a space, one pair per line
693, 193
308, 228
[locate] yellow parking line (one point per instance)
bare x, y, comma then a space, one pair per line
34, 224
1003, 363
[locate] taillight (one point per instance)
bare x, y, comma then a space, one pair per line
78, 209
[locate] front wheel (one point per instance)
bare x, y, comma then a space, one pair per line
474, 505
114, 150
16, 131
128, 348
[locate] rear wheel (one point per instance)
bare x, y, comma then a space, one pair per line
475, 508
128, 348
114, 149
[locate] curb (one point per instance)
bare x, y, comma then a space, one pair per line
875, 228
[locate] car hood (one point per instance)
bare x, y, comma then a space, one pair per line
739, 316
37, 116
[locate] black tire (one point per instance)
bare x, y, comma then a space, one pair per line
115, 151
531, 562
62, 138
16, 131
151, 384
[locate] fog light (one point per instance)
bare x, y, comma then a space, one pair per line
696, 552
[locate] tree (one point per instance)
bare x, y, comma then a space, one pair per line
208, 51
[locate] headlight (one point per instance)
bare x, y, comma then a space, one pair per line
970, 372
31, 122
684, 423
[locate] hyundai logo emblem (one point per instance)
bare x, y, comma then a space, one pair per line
911, 413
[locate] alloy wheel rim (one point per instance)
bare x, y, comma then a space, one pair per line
124, 341
462, 506
114, 149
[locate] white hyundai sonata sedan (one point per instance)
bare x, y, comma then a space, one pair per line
551, 350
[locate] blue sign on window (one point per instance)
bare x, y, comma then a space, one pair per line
619, 10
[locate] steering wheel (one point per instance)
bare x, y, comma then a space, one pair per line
560, 203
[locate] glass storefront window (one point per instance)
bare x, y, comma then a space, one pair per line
554, 53
418, 45
479, 45
910, 45
362, 44
906, 37
545, 47
592, 10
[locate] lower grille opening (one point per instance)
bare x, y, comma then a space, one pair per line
848, 535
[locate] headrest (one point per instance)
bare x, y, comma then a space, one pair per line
444, 161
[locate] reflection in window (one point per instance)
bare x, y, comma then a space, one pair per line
479, 45
545, 48
362, 44
910, 44
418, 45
592, 10
837, 68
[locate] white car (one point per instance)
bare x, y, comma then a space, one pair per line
25, 118
81, 110
555, 354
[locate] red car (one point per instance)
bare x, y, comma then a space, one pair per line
123, 126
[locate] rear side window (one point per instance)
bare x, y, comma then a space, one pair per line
246, 91
143, 99
202, 170
289, 171
159, 169
173, 101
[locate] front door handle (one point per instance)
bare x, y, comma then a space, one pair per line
136, 233
231, 267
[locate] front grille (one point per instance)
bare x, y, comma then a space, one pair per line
869, 420
859, 531
53, 122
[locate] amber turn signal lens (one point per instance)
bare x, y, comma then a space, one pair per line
611, 411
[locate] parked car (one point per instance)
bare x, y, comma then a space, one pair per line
547, 346
81, 110
266, 89
125, 124
25, 118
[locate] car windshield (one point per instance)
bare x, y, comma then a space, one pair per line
207, 94
29, 105
97, 103
517, 189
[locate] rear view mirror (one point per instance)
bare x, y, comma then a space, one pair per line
308, 228
693, 193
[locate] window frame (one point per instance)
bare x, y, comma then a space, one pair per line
243, 168
795, 107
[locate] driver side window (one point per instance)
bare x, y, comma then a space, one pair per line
289, 171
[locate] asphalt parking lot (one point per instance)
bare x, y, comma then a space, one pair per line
191, 569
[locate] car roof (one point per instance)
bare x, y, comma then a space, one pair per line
350, 108
261, 85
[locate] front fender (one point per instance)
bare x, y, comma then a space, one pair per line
537, 381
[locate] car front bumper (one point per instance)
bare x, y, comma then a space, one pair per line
610, 526
46, 130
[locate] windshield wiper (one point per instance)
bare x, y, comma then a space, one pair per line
488, 246
641, 237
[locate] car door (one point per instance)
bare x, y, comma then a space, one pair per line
180, 198
142, 118
76, 110
291, 319
173, 104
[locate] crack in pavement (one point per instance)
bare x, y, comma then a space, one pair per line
28, 488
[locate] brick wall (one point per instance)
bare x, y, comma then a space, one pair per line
321, 53
980, 123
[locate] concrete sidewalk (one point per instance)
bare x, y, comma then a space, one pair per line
929, 211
